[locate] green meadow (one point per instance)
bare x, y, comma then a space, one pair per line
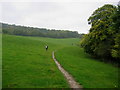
87, 71
26, 64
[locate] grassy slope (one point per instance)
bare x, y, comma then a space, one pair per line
87, 71
27, 64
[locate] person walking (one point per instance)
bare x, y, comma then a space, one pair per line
46, 47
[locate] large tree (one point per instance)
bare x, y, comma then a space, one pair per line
100, 40
116, 28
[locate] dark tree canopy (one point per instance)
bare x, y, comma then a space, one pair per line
41, 32
116, 28
103, 39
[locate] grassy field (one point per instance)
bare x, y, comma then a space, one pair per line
86, 70
27, 64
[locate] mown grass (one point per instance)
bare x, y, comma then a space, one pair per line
26, 64
86, 70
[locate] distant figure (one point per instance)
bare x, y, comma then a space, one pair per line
46, 47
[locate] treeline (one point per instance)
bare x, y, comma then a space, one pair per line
103, 39
42, 32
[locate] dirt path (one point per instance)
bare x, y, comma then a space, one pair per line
70, 79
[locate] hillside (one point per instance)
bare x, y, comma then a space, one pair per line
26, 64
41, 32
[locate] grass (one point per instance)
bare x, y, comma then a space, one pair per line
86, 70
26, 64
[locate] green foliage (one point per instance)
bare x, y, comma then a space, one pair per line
116, 28
103, 39
116, 48
42, 32
86, 42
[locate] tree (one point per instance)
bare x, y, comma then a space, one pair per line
116, 27
41, 32
100, 40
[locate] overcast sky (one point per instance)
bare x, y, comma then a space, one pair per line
52, 14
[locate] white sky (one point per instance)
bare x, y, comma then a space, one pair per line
52, 14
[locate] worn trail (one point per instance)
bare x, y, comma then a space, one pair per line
70, 79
